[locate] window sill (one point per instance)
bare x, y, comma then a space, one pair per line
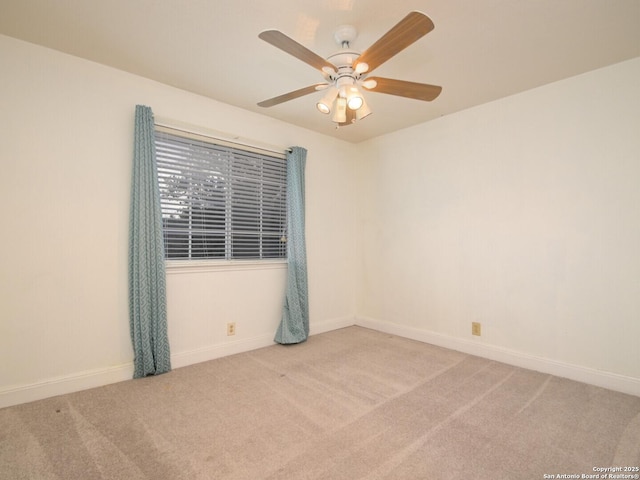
201, 266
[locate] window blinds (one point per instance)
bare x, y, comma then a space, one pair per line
219, 201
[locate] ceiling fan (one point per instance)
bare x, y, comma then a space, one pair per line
346, 71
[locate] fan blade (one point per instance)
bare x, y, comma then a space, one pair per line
291, 95
402, 88
290, 46
410, 29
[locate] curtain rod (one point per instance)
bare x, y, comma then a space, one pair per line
218, 136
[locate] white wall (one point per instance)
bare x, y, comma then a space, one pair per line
522, 214
65, 150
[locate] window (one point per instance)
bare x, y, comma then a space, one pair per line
220, 201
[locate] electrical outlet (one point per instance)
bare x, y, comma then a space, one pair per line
476, 328
231, 328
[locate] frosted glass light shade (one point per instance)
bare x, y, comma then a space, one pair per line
340, 113
354, 98
324, 105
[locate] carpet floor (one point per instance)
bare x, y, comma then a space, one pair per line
349, 404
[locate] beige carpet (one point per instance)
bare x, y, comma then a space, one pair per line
349, 404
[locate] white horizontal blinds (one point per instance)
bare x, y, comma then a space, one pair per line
219, 201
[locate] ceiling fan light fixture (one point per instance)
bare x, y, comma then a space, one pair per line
340, 110
363, 111
324, 104
323, 108
354, 98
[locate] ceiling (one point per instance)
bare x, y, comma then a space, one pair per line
480, 50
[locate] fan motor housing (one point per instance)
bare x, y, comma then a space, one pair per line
343, 58
343, 61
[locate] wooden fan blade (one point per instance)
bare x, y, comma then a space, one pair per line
410, 29
402, 88
291, 95
290, 46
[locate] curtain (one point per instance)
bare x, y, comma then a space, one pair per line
147, 283
294, 326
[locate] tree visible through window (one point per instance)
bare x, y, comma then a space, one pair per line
220, 201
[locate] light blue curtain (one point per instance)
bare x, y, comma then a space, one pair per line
147, 283
294, 326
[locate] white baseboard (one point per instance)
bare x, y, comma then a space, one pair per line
611, 381
329, 325
52, 387
65, 384
212, 352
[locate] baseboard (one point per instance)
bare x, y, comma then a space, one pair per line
64, 384
212, 352
100, 377
611, 381
330, 325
